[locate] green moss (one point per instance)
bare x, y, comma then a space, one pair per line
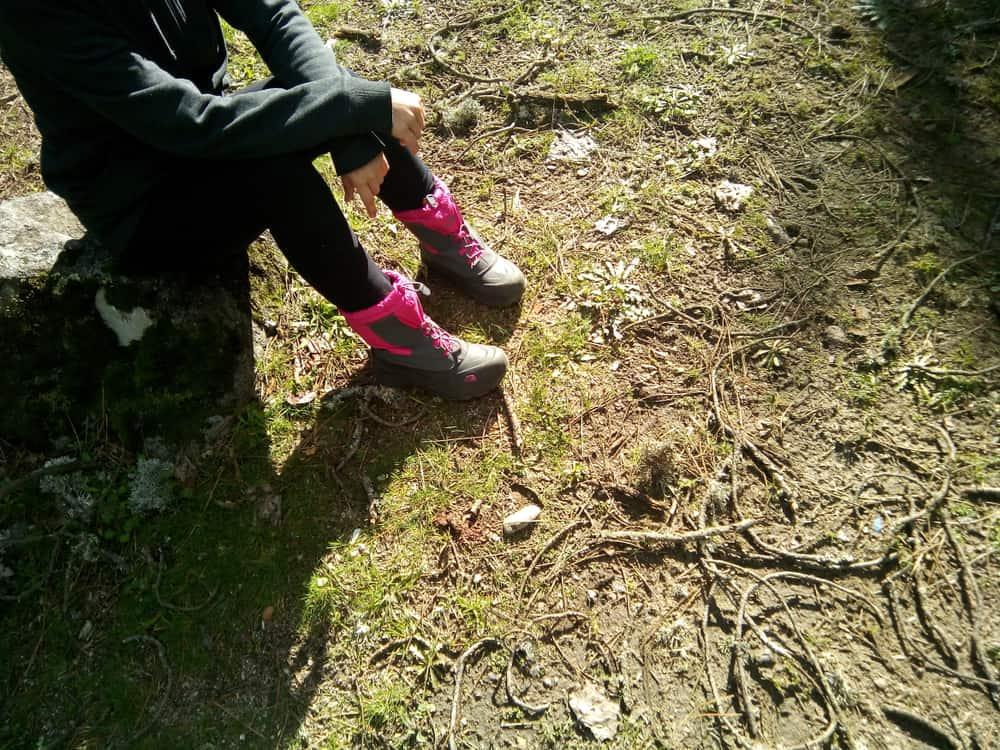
640, 61
326, 13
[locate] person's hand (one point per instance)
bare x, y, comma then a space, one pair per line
365, 182
407, 118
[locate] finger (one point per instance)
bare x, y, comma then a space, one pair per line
374, 187
383, 165
348, 191
420, 115
369, 200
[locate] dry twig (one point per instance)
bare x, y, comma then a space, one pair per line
162, 655
906, 719
178, 607
904, 322
489, 644
656, 537
753, 14
516, 436
552, 542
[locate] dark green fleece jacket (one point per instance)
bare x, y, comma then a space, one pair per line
120, 89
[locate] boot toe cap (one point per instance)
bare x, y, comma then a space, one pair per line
504, 283
480, 369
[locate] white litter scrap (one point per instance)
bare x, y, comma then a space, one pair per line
568, 147
705, 148
610, 224
129, 327
595, 711
732, 195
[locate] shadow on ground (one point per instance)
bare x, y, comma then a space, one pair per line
211, 620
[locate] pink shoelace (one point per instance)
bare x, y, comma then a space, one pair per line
439, 337
470, 249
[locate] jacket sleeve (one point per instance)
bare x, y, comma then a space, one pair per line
93, 64
295, 54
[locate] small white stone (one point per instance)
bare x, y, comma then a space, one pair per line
568, 147
732, 195
521, 519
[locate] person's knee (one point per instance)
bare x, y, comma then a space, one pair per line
285, 171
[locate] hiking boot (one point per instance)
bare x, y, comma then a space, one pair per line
449, 246
411, 350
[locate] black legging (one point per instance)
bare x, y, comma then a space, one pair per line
205, 211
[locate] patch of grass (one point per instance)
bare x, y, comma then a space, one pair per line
673, 105
663, 255
529, 24
544, 417
14, 157
640, 61
862, 389
324, 14
437, 476
472, 610
926, 266
573, 78
245, 63
388, 706
554, 345
355, 589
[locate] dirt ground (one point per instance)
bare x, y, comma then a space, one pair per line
754, 389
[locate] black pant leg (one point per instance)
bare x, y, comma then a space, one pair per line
206, 211
408, 181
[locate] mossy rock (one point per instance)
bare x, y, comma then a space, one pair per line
89, 352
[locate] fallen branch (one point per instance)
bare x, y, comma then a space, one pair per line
45, 471
890, 248
516, 436
754, 14
393, 645
906, 719
656, 537
904, 322
353, 446
455, 26
177, 607
982, 493
895, 616
552, 542
930, 627
528, 708
927, 511
971, 598
819, 679
599, 101
933, 372
162, 655
369, 414
356, 34
490, 644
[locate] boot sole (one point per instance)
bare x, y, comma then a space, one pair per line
489, 296
452, 389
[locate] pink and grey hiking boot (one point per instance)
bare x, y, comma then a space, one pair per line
410, 349
449, 246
